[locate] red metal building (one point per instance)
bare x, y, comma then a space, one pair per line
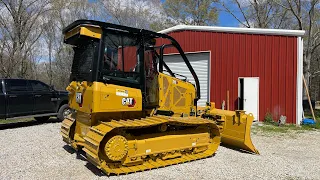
260, 68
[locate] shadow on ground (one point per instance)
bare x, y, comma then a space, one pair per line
237, 149
27, 123
81, 155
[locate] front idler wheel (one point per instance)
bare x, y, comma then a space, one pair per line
116, 148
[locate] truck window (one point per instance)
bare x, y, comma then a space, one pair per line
39, 86
17, 85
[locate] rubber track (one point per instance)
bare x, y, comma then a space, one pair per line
97, 133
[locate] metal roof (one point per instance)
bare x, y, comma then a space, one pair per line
283, 32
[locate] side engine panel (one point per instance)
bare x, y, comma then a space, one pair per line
176, 95
100, 97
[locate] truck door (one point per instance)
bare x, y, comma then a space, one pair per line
2, 102
44, 98
20, 98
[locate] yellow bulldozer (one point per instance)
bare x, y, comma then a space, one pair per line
132, 113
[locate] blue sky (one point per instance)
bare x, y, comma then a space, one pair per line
225, 19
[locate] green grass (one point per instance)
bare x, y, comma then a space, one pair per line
313, 126
9, 121
270, 126
287, 128
307, 114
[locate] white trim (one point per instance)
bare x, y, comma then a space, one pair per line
283, 32
299, 107
209, 78
190, 52
258, 119
209, 68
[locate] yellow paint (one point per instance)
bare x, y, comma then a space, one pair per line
90, 31
169, 142
119, 136
235, 127
98, 97
103, 117
116, 148
85, 30
133, 152
71, 33
175, 95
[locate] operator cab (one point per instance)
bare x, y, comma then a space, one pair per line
119, 55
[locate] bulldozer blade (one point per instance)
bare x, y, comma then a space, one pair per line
235, 128
238, 135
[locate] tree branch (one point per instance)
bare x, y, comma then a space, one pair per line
246, 25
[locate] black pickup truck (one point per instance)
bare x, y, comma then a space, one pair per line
31, 98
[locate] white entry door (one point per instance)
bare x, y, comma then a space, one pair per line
249, 95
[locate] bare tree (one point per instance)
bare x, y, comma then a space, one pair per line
20, 31
134, 13
58, 65
193, 12
49, 37
256, 13
306, 14
286, 14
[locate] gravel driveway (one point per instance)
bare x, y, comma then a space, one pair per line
38, 152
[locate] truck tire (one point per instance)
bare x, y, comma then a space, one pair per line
42, 118
63, 112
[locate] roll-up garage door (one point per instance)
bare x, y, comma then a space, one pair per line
200, 64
